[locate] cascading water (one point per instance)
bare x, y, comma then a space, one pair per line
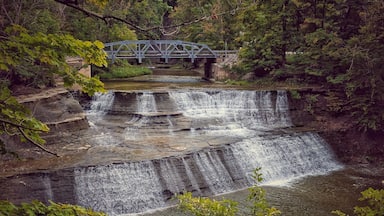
146, 103
239, 132
119, 188
244, 109
100, 105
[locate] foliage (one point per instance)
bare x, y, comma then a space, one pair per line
344, 52
29, 57
122, 69
375, 207
205, 206
17, 121
20, 50
40, 209
209, 22
264, 35
237, 82
202, 206
295, 94
364, 78
337, 44
147, 14
256, 195
310, 102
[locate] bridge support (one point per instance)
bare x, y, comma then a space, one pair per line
208, 66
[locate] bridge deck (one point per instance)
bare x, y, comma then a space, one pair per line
165, 49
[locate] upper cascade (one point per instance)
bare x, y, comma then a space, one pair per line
251, 109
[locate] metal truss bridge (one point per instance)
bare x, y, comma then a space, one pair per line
163, 49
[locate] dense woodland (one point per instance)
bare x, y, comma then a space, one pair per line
336, 44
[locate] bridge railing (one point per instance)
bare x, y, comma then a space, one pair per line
165, 49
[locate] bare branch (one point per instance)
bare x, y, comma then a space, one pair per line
36, 144
98, 16
107, 18
6, 12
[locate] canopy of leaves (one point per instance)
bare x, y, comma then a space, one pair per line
34, 57
209, 22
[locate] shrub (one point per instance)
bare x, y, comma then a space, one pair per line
199, 206
40, 209
375, 201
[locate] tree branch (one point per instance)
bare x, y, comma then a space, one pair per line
106, 18
35, 143
20, 126
98, 16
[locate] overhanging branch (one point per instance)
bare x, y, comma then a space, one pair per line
20, 126
107, 18
35, 143
99, 16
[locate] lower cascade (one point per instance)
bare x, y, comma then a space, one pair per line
240, 131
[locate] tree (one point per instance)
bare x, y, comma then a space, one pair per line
345, 51
209, 22
266, 35
33, 58
364, 77
144, 17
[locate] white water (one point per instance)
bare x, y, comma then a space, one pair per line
146, 103
285, 157
102, 102
248, 115
100, 105
235, 109
120, 188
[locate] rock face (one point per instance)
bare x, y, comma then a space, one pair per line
60, 111
55, 107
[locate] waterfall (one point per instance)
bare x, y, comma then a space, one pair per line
46, 181
285, 157
214, 172
252, 117
245, 109
146, 103
119, 189
100, 105
102, 102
